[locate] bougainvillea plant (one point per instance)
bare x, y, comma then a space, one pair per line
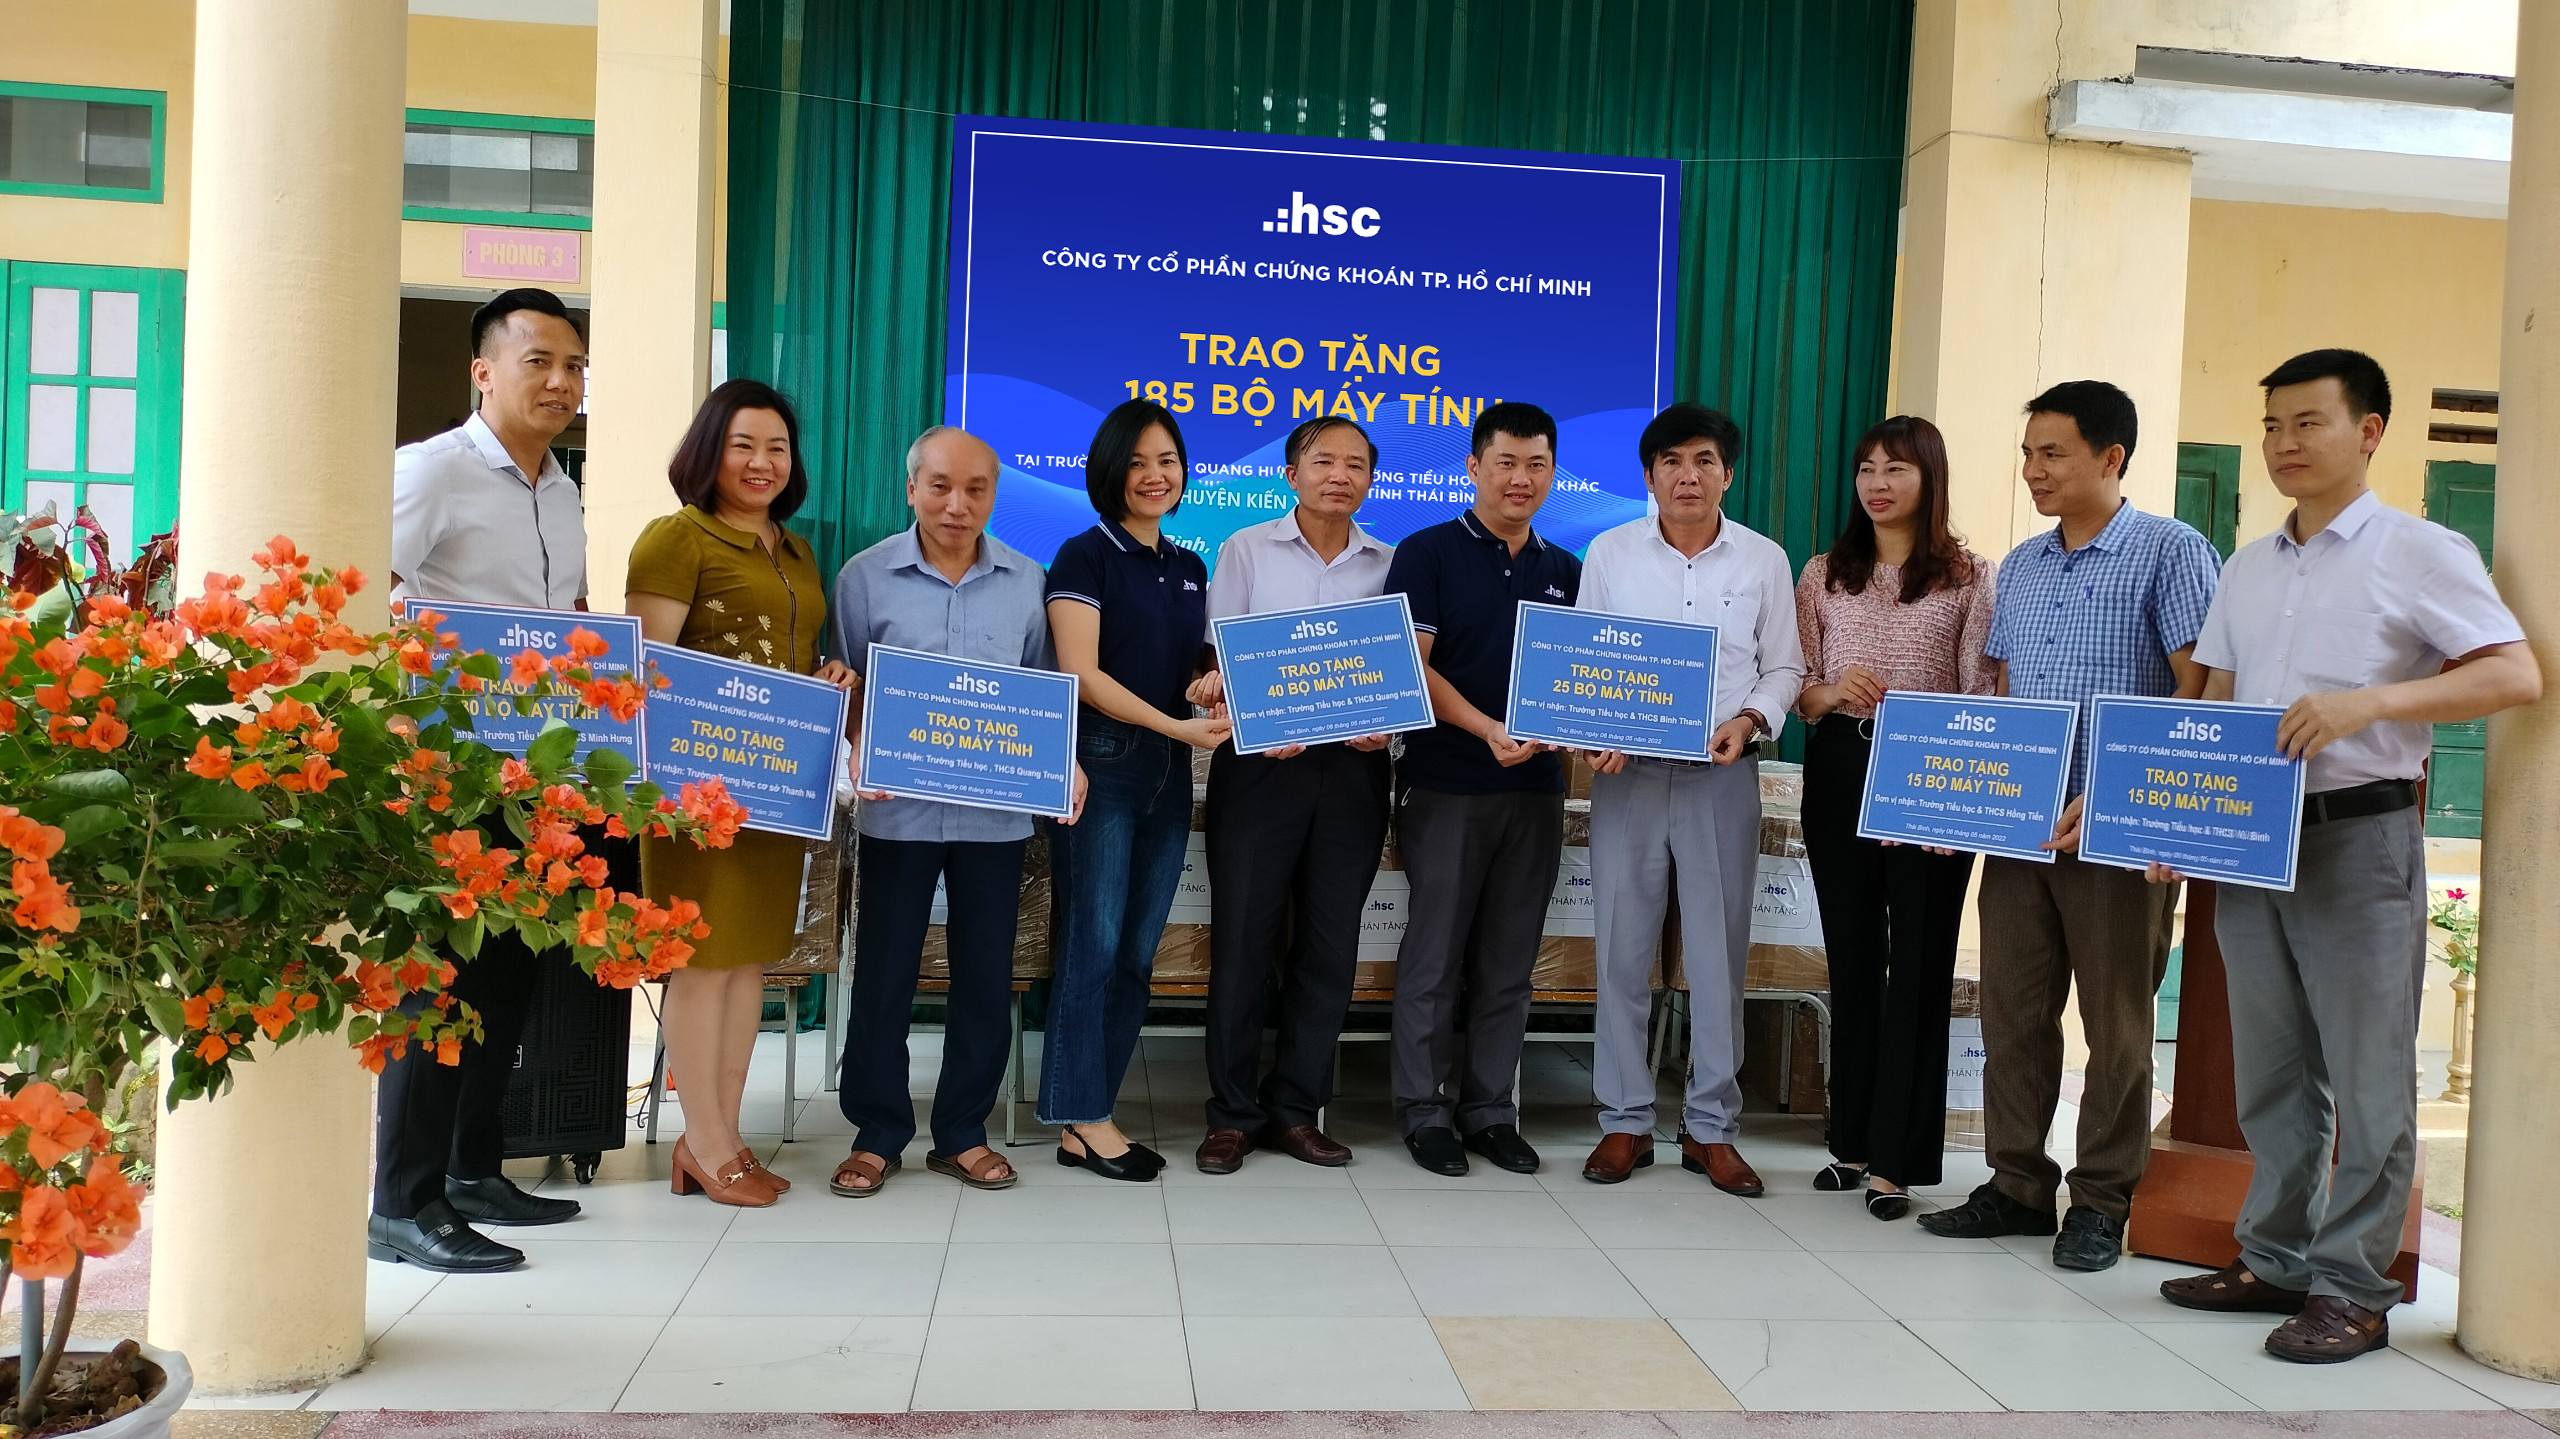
245, 822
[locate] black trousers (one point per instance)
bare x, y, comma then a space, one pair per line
1889, 920
982, 887
1293, 846
430, 1119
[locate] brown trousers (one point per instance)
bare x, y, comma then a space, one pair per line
2045, 929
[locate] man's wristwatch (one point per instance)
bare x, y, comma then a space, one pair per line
1759, 723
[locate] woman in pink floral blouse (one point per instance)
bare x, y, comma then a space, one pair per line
1898, 604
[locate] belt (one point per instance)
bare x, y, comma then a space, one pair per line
2381, 796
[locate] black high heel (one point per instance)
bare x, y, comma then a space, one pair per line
1127, 1166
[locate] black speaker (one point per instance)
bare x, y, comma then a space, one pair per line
570, 1091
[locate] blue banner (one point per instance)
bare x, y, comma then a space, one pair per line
964, 732
1249, 282
2197, 785
1589, 680
503, 632
1322, 674
769, 735
1968, 772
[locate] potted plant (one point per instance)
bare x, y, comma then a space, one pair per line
237, 821
2458, 919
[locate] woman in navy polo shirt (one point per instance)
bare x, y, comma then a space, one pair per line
1129, 611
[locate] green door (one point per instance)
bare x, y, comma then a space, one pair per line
2209, 492
2461, 496
90, 410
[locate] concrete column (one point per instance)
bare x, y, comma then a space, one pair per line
293, 326
2026, 261
2507, 1320
651, 344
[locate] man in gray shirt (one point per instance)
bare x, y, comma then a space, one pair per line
947, 586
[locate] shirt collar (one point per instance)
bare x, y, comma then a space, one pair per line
1360, 538
494, 452
1475, 527
718, 529
907, 552
2109, 538
2351, 519
1724, 535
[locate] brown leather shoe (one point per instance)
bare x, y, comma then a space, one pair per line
2231, 1291
1223, 1151
2329, 1330
1618, 1156
1723, 1165
1307, 1144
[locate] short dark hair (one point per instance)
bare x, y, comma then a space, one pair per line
1305, 435
486, 320
1115, 446
1517, 418
1681, 423
2357, 373
695, 470
2104, 414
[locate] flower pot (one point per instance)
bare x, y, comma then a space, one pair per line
151, 1420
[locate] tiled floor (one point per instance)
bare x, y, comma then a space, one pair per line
1286, 1287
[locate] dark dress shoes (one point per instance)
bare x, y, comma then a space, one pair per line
1618, 1156
496, 1200
1502, 1144
1223, 1151
2329, 1330
1436, 1148
1723, 1165
437, 1239
1987, 1214
1306, 1144
2090, 1241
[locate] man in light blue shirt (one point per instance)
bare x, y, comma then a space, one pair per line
946, 586
2109, 601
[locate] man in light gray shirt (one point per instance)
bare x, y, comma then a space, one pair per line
484, 514
946, 586
1294, 836
2370, 626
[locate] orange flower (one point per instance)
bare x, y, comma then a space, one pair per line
449, 1050
41, 1239
323, 739
43, 902
415, 658
462, 906
397, 806
376, 988
272, 1018
106, 1211
592, 927
26, 839
280, 555
513, 776
313, 776
287, 714
57, 1125
351, 579
330, 596
212, 1048
199, 1010
586, 644
528, 669
106, 731
250, 775
8, 717
208, 762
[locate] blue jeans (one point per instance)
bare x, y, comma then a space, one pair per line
1115, 872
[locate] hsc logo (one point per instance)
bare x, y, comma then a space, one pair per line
1612, 635
1314, 629
518, 637
1970, 723
1302, 216
734, 688
2189, 728
973, 685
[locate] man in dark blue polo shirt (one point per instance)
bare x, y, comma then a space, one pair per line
1481, 819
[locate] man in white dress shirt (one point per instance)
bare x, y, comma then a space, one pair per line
2371, 626
1654, 821
1294, 835
482, 513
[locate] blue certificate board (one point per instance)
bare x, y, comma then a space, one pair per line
767, 734
1322, 674
963, 732
503, 632
2197, 785
1968, 772
1589, 680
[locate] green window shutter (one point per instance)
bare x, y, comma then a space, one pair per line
2209, 492
2462, 495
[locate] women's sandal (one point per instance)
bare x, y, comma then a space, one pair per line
866, 1166
755, 1166
1888, 1204
1126, 1166
735, 1185
1834, 1178
989, 1173
2329, 1330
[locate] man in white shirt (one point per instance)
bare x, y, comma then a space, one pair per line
1654, 821
485, 514
2371, 626
1293, 835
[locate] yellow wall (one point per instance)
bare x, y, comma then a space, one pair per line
132, 45
2420, 293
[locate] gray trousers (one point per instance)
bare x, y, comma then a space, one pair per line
1481, 867
2324, 1024
1654, 825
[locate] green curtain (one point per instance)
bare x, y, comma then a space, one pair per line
1787, 115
